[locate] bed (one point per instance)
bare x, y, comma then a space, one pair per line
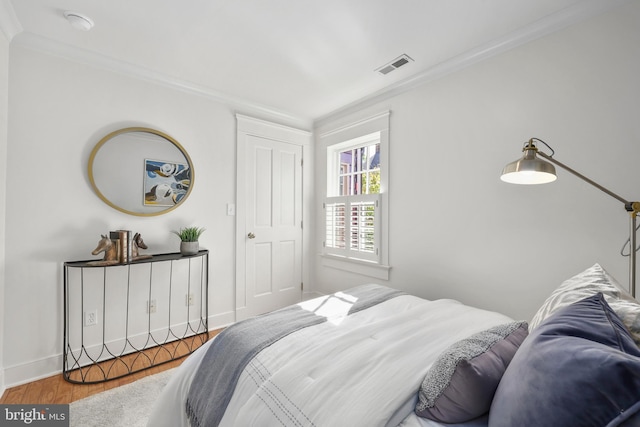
375, 356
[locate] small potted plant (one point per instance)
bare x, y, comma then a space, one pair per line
189, 239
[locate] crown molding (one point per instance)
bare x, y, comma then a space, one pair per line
565, 18
578, 12
51, 47
9, 24
244, 120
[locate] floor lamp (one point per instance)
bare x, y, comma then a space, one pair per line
532, 170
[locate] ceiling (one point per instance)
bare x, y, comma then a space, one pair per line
302, 59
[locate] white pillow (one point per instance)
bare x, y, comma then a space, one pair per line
588, 283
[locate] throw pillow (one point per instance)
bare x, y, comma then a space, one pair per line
580, 367
589, 282
461, 383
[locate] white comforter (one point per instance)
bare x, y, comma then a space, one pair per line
359, 370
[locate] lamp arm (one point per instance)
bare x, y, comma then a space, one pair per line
632, 207
627, 204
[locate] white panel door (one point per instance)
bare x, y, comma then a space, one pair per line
273, 225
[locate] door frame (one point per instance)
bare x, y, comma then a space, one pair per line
249, 126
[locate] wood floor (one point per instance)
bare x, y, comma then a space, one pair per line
55, 390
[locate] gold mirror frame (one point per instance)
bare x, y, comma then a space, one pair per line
127, 209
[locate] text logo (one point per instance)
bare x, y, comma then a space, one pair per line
34, 415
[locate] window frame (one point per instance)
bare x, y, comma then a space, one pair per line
360, 133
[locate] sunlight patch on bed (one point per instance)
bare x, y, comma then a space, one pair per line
334, 307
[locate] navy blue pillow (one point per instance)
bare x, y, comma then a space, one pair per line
580, 367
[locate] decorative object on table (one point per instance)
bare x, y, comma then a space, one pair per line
123, 239
532, 170
136, 245
119, 247
110, 250
189, 236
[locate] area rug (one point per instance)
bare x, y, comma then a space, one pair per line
126, 406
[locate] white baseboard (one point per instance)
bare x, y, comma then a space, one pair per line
2, 386
311, 295
42, 368
222, 320
32, 371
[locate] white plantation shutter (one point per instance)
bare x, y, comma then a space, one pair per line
336, 225
353, 226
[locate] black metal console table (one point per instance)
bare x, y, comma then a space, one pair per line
124, 318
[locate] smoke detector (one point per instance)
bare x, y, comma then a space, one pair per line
79, 21
403, 59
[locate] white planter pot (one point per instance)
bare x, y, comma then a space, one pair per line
189, 248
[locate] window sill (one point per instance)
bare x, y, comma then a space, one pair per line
357, 266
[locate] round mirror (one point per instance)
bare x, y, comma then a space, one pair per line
141, 171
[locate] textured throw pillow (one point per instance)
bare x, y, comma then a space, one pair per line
580, 367
588, 283
461, 383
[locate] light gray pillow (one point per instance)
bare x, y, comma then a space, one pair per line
588, 283
462, 381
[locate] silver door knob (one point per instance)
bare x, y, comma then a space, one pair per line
251, 236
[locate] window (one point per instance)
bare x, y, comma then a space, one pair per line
359, 168
355, 207
351, 208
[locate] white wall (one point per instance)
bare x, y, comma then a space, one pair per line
58, 111
457, 231
4, 83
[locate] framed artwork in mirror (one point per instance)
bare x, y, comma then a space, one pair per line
165, 182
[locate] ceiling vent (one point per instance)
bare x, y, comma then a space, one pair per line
395, 64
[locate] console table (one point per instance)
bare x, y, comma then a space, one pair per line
124, 318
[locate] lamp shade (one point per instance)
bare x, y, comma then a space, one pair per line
529, 169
